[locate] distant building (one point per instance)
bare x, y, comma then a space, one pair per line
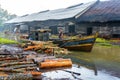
53, 19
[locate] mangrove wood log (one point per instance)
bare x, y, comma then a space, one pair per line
3, 74
15, 63
40, 59
10, 70
58, 60
23, 66
36, 47
19, 76
34, 73
55, 64
8, 58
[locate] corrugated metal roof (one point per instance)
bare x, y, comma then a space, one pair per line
102, 12
58, 14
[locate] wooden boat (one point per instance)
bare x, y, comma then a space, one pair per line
82, 44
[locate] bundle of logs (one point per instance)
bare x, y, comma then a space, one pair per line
44, 47
26, 68
13, 68
22, 64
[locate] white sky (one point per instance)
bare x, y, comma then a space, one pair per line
22, 7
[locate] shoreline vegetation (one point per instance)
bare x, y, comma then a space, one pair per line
7, 41
107, 43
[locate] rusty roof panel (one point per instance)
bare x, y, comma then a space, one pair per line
102, 12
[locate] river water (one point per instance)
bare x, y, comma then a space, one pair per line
103, 63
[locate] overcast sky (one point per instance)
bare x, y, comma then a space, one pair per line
22, 7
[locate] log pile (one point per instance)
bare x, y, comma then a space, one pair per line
13, 68
45, 47
24, 66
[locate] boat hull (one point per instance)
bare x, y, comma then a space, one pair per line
81, 44
85, 47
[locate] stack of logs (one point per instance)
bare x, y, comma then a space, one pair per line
25, 68
45, 47
13, 68
21, 66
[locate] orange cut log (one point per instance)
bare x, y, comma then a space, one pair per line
29, 48
3, 74
59, 60
55, 64
34, 73
8, 58
49, 50
33, 47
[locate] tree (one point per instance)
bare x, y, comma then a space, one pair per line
4, 16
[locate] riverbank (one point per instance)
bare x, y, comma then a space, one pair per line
7, 41
103, 61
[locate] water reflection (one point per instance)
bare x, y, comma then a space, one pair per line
101, 63
86, 74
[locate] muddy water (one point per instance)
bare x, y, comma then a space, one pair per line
103, 63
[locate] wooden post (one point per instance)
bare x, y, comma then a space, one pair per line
28, 31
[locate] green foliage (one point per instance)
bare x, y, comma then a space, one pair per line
102, 40
6, 41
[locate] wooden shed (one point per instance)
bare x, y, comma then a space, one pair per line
54, 19
104, 17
